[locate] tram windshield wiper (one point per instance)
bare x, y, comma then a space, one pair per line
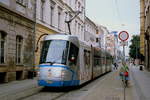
51, 63
54, 61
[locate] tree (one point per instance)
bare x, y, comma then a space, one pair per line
135, 48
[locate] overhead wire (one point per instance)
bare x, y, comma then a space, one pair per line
118, 12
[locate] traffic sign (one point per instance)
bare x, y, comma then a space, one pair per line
123, 35
123, 43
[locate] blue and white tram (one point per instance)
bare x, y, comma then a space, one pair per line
66, 61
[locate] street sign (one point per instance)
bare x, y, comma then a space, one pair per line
123, 43
123, 35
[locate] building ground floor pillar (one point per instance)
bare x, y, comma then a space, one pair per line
8, 76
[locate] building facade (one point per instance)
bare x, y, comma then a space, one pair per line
51, 16
142, 26
78, 24
49, 20
16, 39
110, 43
102, 33
147, 32
90, 32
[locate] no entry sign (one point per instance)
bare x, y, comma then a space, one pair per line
123, 35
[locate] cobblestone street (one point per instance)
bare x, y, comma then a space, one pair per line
107, 87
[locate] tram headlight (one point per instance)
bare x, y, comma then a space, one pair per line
63, 72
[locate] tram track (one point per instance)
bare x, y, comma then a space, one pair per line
58, 96
45, 95
64, 94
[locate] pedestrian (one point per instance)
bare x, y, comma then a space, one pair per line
115, 66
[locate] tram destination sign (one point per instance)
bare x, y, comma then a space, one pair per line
123, 35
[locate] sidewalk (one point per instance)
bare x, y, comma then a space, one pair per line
18, 89
141, 80
110, 88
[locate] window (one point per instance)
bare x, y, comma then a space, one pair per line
59, 17
52, 6
42, 10
19, 42
75, 27
70, 3
52, 14
21, 2
79, 5
2, 47
79, 28
82, 29
97, 39
73, 54
76, 5
87, 58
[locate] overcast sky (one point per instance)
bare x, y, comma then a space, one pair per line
116, 15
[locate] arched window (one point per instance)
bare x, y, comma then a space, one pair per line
19, 42
2, 47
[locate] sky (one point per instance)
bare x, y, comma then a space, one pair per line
116, 15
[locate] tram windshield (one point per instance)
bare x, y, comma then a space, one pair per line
54, 51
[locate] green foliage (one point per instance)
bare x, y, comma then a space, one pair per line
135, 48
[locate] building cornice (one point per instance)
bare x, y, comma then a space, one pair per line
16, 13
38, 22
91, 22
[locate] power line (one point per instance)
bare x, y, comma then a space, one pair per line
117, 11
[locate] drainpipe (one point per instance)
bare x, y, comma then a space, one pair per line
34, 38
147, 62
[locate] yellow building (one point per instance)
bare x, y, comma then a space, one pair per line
142, 44
147, 34
142, 26
40, 31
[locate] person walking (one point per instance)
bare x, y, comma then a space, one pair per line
115, 66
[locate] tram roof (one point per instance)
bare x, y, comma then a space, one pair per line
60, 36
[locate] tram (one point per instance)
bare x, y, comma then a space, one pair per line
66, 61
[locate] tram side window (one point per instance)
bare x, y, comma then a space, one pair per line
73, 53
96, 61
87, 58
